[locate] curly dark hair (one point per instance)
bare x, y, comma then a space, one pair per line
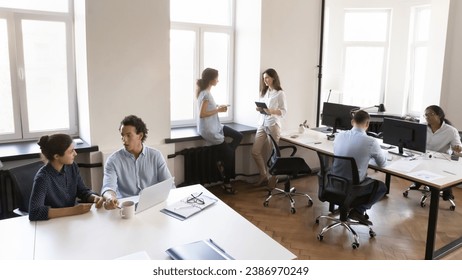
136, 122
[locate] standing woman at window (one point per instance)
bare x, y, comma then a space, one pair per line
214, 133
275, 99
58, 183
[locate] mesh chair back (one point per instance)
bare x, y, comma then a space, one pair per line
286, 165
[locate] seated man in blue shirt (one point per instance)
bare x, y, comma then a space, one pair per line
357, 144
133, 167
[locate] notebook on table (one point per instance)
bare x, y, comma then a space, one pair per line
188, 206
199, 250
153, 195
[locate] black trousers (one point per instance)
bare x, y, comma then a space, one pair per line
225, 152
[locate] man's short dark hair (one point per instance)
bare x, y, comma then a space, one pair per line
361, 117
136, 122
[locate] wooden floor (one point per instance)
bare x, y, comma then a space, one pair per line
400, 223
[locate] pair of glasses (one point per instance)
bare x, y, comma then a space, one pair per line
195, 199
427, 115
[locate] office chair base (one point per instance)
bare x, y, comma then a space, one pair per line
347, 224
289, 194
425, 194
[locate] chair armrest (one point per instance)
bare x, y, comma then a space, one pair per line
292, 147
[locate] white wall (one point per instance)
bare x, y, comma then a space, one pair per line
290, 45
127, 49
451, 97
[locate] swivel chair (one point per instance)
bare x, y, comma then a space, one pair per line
425, 191
344, 191
22, 178
291, 167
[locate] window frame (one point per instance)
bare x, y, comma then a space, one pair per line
17, 71
414, 44
199, 30
372, 44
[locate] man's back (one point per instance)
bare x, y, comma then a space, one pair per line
355, 143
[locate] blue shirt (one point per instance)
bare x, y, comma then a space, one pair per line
357, 144
209, 127
127, 176
56, 190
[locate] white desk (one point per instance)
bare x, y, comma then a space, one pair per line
318, 142
17, 239
102, 234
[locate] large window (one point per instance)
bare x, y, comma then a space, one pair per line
365, 55
418, 50
201, 36
37, 73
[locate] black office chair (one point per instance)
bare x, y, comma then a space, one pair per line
22, 178
343, 192
425, 191
290, 167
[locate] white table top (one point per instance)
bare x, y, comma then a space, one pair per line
102, 234
447, 172
17, 239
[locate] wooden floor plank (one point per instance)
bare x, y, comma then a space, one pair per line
400, 223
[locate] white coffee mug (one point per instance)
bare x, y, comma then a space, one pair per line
127, 209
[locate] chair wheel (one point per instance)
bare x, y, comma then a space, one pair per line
452, 208
310, 202
372, 233
292, 210
320, 237
265, 203
422, 204
405, 193
355, 245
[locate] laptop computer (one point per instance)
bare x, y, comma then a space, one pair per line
153, 195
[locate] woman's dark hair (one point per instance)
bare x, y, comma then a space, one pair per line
55, 144
276, 82
136, 122
208, 75
439, 112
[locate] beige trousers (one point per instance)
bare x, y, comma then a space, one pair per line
261, 148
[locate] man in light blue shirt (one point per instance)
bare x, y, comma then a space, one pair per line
363, 148
133, 167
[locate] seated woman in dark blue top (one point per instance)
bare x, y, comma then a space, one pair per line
58, 183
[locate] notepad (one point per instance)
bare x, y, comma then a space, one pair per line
189, 206
199, 250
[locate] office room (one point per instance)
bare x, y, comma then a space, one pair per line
122, 67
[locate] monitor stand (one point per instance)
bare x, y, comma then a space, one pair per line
401, 152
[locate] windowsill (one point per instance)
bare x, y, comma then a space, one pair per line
30, 150
184, 134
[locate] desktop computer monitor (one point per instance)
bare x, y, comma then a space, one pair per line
337, 116
405, 135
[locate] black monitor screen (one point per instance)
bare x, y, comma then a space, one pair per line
337, 116
405, 135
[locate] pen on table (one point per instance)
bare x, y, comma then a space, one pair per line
449, 172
